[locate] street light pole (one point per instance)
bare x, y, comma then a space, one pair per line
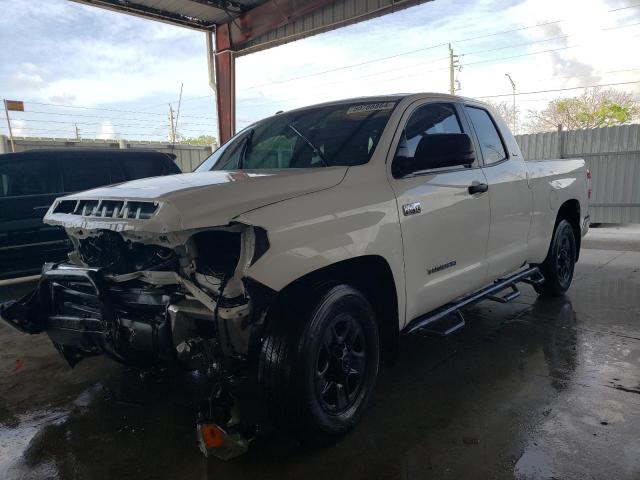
513, 86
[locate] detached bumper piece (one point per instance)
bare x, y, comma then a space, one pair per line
84, 316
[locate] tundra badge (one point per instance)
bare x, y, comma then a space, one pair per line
411, 208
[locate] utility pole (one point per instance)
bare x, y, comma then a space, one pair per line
513, 86
77, 131
172, 129
6, 112
178, 113
453, 63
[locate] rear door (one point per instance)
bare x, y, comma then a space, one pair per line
28, 185
445, 228
509, 195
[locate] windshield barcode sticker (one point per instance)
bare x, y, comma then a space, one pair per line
370, 107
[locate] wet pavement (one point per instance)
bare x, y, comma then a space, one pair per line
532, 389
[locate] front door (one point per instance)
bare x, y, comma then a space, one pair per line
445, 227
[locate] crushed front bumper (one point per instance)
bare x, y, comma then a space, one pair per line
83, 315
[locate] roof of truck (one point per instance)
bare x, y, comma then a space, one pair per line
392, 97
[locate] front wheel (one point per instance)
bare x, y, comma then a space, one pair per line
318, 365
559, 265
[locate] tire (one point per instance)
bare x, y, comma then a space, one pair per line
559, 265
318, 366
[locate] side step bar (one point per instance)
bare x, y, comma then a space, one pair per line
436, 321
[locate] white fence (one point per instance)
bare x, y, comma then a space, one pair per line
188, 157
613, 156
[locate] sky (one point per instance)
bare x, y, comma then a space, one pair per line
114, 76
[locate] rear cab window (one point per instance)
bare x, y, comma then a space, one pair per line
142, 165
84, 171
20, 176
491, 144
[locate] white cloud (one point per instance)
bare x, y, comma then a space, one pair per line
107, 131
18, 128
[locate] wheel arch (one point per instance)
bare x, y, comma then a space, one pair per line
370, 274
570, 211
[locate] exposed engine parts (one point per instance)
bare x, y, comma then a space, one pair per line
109, 251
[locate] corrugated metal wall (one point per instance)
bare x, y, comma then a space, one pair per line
188, 157
613, 156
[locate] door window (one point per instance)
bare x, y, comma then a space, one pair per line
427, 120
490, 142
80, 172
26, 177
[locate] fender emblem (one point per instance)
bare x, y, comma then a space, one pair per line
439, 268
411, 208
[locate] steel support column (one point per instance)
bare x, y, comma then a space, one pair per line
225, 84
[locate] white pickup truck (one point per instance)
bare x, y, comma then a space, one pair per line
300, 251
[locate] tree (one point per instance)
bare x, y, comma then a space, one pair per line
594, 108
201, 140
505, 110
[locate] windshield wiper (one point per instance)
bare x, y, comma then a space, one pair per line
315, 149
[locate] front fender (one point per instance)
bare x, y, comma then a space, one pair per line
319, 229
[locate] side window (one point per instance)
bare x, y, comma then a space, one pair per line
427, 120
26, 177
141, 166
490, 142
80, 172
274, 152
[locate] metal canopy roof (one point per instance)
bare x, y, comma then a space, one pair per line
257, 24
198, 14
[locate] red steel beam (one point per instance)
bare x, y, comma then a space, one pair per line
258, 21
268, 16
225, 73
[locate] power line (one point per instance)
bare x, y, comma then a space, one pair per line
428, 71
107, 109
444, 68
429, 48
559, 89
535, 92
93, 133
114, 124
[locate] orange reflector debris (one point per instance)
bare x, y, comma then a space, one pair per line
212, 435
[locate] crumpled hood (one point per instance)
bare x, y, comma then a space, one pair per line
199, 200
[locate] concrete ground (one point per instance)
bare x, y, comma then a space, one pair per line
533, 389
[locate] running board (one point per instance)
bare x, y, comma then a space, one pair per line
436, 321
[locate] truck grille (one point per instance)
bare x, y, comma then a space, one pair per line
123, 209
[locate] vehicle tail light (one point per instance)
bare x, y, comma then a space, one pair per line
589, 184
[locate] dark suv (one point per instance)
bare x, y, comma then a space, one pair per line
31, 180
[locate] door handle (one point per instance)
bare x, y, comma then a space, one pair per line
477, 187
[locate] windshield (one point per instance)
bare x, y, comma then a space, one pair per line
336, 135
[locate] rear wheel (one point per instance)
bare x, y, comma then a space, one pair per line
559, 265
318, 365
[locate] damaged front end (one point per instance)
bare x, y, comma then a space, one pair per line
145, 298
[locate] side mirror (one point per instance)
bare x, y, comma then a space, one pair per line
438, 150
